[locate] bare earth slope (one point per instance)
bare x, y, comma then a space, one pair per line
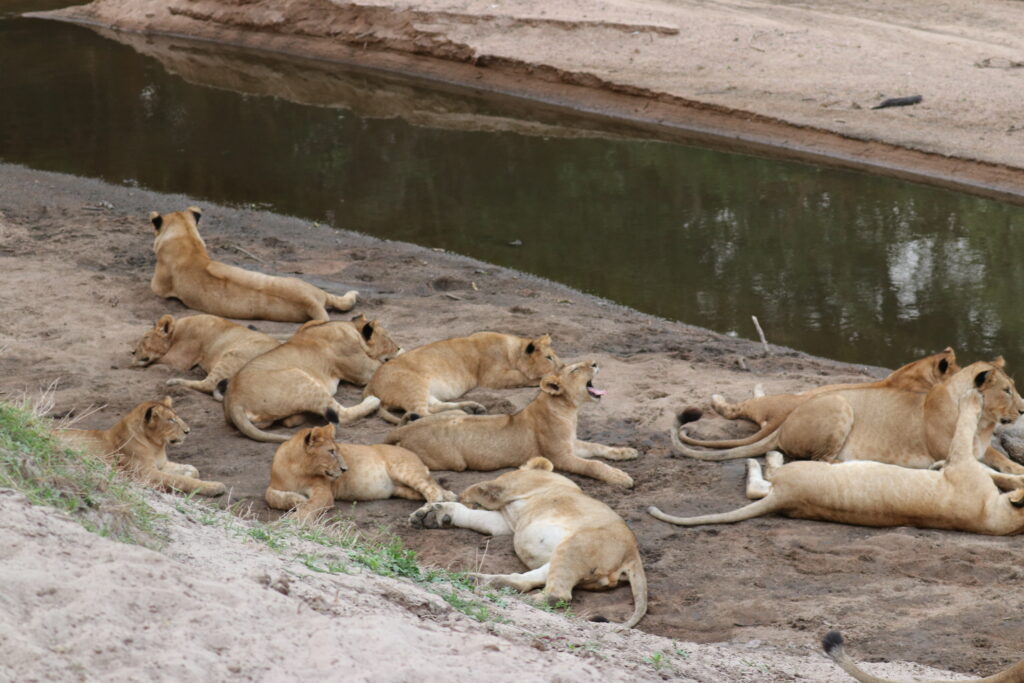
75, 262
802, 77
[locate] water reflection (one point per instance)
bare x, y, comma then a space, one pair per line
837, 263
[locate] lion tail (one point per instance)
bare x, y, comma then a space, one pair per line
763, 432
638, 584
756, 509
751, 450
236, 416
344, 302
833, 646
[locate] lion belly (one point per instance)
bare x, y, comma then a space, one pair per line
365, 480
535, 543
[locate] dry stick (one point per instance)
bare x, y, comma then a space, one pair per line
247, 253
760, 333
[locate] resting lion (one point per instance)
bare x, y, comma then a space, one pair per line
833, 646
964, 496
137, 445
888, 425
770, 411
546, 427
426, 379
185, 271
311, 470
565, 537
218, 346
302, 375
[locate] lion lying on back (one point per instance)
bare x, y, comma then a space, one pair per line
185, 271
897, 427
311, 470
770, 411
302, 375
137, 445
218, 346
426, 379
565, 537
965, 495
546, 427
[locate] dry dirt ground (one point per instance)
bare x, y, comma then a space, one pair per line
75, 263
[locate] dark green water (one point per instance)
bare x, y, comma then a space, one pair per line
836, 263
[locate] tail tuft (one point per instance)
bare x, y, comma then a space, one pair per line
412, 417
222, 386
832, 643
691, 414
331, 415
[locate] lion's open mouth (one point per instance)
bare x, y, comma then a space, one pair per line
594, 391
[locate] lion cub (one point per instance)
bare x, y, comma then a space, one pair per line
426, 379
565, 537
137, 444
185, 271
302, 375
546, 427
311, 471
218, 346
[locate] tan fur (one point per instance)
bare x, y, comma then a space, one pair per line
311, 470
888, 425
770, 411
185, 271
565, 537
137, 445
425, 380
546, 427
963, 496
302, 375
218, 346
833, 645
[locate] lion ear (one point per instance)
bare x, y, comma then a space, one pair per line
1016, 498
165, 324
538, 463
359, 319
980, 378
158, 220
999, 362
309, 439
196, 212
149, 414
943, 366
328, 431
168, 401
551, 385
489, 492
367, 331
530, 348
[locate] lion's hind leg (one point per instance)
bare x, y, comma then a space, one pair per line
177, 482
757, 486
337, 413
207, 386
413, 481
523, 582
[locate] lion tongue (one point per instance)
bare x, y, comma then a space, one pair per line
596, 392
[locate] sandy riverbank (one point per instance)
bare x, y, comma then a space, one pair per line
75, 261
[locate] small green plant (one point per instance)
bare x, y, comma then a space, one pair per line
680, 652
657, 660
471, 608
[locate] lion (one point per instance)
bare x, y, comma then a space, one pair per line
888, 425
185, 271
426, 379
302, 375
311, 470
137, 445
565, 537
769, 411
832, 643
546, 427
218, 346
964, 496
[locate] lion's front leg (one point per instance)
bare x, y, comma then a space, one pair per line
184, 484
180, 468
1000, 462
522, 582
449, 514
588, 449
284, 500
570, 462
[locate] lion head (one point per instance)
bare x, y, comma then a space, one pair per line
176, 225
1002, 402
378, 341
924, 373
537, 358
316, 455
574, 382
155, 343
160, 424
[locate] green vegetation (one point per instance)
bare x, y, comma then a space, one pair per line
34, 463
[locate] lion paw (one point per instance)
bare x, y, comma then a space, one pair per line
214, 489
189, 471
431, 516
473, 408
619, 478
625, 453
450, 496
